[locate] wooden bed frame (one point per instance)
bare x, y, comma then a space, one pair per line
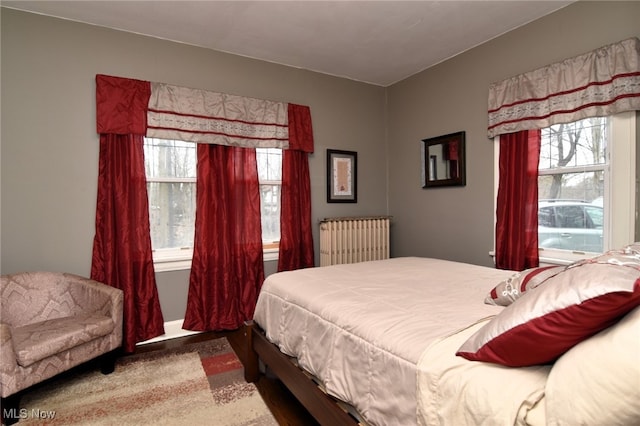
323, 407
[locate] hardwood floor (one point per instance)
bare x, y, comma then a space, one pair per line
284, 406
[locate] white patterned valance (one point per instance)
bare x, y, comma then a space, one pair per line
602, 82
209, 117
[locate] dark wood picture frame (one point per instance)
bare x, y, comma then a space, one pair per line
444, 161
342, 176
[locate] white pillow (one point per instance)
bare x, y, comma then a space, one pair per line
597, 382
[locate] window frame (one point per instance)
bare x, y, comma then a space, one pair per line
620, 191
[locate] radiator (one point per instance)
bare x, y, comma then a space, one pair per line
354, 239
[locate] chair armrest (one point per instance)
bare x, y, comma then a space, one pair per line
99, 297
8, 362
94, 296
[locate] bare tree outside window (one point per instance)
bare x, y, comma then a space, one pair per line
572, 160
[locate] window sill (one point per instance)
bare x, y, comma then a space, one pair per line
184, 263
166, 265
553, 257
270, 254
563, 257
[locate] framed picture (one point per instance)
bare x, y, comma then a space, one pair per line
342, 176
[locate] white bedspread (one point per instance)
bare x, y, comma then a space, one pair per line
453, 391
362, 328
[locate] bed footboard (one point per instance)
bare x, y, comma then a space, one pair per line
322, 407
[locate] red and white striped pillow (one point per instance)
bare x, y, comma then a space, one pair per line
507, 291
548, 320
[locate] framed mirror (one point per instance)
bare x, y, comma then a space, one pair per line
444, 160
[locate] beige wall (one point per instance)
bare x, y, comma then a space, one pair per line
49, 147
457, 223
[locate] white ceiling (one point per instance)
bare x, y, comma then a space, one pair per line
378, 42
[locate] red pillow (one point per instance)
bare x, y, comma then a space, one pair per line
547, 321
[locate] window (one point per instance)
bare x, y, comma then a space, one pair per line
270, 177
573, 175
170, 167
171, 186
586, 187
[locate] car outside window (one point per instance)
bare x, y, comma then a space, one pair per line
570, 225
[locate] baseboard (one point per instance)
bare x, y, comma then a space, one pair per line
172, 330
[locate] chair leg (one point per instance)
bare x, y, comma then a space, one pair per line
108, 362
10, 409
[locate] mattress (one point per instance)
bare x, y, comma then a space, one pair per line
361, 329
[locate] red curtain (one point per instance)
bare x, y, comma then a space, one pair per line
296, 238
517, 209
227, 269
122, 254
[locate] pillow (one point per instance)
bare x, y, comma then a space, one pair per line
632, 248
597, 382
548, 320
517, 284
627, 256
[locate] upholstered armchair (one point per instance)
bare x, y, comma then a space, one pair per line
51, 322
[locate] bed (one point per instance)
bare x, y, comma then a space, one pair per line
408, 341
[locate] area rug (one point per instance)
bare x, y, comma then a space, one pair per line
199, 384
